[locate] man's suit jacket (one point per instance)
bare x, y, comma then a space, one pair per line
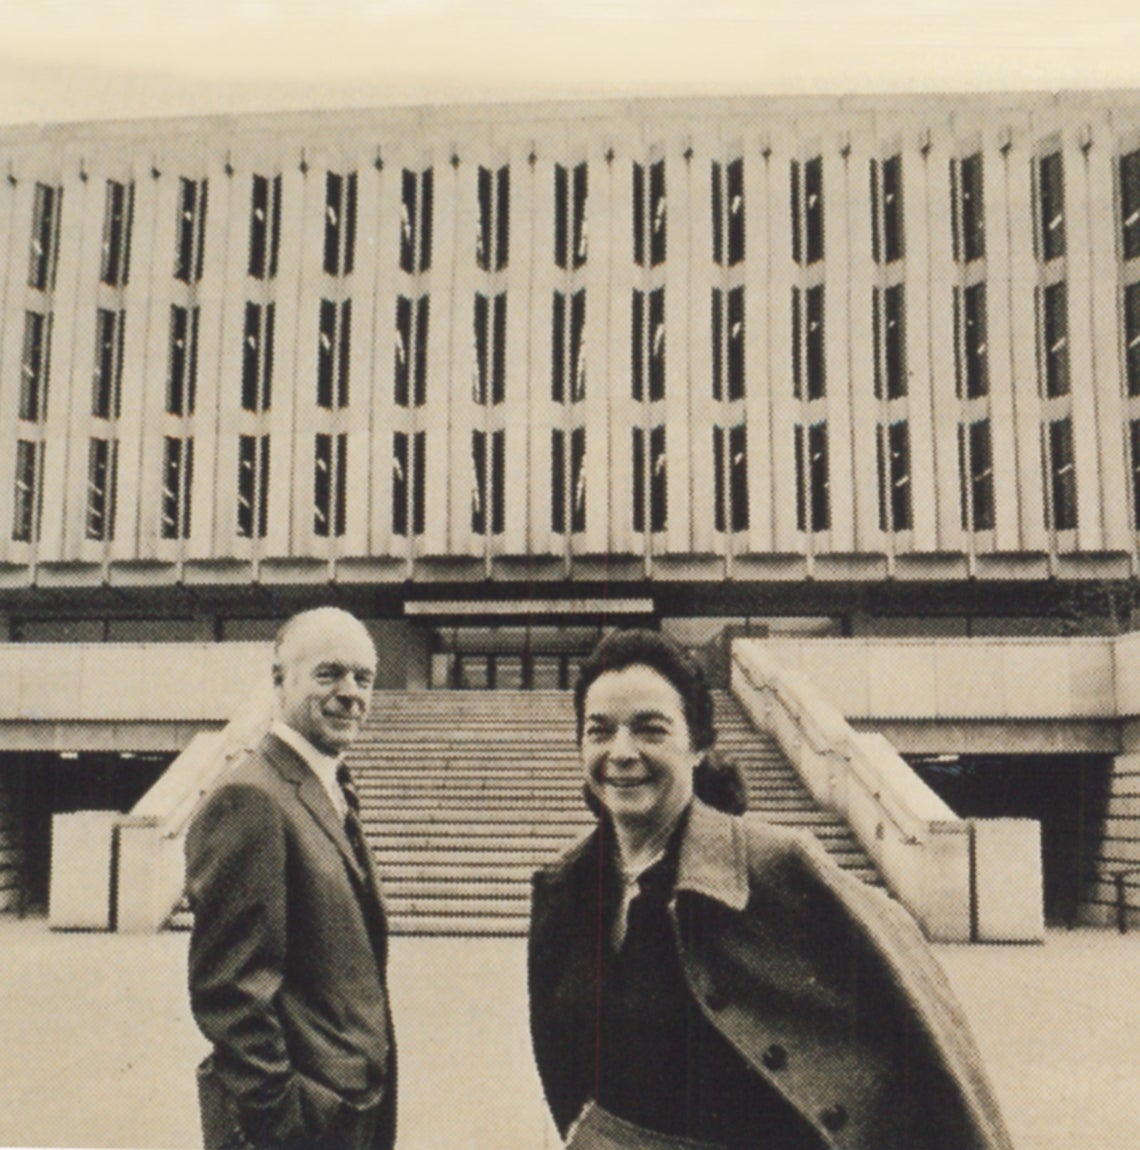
288, 960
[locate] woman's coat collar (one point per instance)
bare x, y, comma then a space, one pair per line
714, 857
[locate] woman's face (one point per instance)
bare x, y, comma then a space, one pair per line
637, 756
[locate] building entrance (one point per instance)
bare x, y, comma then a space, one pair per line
512, 658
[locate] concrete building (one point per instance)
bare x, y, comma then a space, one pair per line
496, 377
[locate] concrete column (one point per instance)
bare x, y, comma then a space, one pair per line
82, 870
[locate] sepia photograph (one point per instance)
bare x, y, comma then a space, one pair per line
568, 575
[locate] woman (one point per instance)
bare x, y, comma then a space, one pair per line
702, 979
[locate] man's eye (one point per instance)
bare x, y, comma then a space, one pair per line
364, 679
597, 733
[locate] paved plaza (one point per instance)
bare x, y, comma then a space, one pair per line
98, 1046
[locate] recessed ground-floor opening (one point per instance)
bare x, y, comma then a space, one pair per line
35, 786
1067, 794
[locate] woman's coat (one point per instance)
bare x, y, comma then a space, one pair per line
824, 985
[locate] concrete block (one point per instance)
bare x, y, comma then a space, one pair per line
1009, 900
82, 868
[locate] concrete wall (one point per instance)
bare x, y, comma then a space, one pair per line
964, 679
128, 682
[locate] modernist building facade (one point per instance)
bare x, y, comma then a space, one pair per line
495, 376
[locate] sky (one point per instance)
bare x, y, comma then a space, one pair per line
94, 59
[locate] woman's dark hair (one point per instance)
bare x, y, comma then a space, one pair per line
719, 784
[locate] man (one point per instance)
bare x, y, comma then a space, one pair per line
288, 953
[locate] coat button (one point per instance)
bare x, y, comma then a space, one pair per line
834, 1117
715, 998
775, 1057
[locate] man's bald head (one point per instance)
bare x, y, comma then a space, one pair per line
324, 664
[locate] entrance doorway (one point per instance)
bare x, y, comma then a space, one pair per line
509, 658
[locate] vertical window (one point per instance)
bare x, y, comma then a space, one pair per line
807, 210
730, 483
648, 344
333, 353
191, 237
888, 307
971, 361
28, 491
571, 187
813, 496
1051, 205
568, 353
416, 220
329, 506
1130, 204
44, 252
1061, 514
107, 384
1132, 337
118, 218
36, 367
657, 487
494, 494
728, 343
257, 357
182, 378
177, 480
1054, 329
253, 486
412, 320
967, 208
728, 212
649, 214
1134, 444
575, 477
492, 241
809, 363
887, 243
976, 475
894, 477
102, 474
408, 482
490, 348
340, 223
264, 227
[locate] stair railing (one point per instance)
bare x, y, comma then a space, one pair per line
151, 868
928, 857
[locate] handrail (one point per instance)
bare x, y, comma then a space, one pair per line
944, 869
151, 867
847, 744
1118, 878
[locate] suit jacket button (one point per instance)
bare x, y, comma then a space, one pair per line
715, 998
775, 1057
834, 1117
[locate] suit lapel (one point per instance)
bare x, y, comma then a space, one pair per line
312, 794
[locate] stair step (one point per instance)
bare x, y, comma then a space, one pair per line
466, 793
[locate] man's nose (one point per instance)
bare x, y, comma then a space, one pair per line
349, 688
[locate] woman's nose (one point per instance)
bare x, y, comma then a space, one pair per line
623, 747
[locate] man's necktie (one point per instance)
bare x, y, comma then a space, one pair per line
352, 826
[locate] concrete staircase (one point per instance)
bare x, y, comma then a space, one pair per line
465, 793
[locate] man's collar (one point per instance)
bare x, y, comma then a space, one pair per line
323, 765
714, 857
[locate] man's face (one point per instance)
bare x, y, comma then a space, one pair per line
327, 667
